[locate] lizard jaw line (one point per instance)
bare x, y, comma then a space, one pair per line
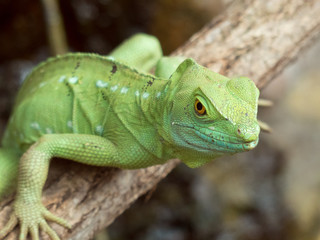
222, 145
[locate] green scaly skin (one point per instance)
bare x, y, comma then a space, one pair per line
100, 111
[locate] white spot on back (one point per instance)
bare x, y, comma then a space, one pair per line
99, 129
61, 79
49, 131
145, 95
42, 84
35, 125
137, 93
70, 124
73, 80
111, 58
158, 94
114, 88
101, 84
124, 90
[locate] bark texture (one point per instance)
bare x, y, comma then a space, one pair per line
253, 38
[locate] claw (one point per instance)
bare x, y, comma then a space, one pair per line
264, 127
265, 102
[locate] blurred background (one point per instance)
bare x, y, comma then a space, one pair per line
272, 192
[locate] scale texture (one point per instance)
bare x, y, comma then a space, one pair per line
108, 111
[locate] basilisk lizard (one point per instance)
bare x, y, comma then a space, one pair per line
108, 111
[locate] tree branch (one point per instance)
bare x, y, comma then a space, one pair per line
257, 39
252, 38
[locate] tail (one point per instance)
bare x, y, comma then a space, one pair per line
9, 163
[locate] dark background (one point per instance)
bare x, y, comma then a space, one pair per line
269, 193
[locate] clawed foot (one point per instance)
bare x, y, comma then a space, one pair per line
32, 218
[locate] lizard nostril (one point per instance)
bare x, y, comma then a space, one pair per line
246, 135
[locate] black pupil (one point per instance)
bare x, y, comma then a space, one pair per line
199, 106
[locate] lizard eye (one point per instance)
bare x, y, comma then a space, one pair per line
199, 108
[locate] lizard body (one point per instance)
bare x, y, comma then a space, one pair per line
105, 112
113, 102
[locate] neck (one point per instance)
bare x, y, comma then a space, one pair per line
156, 109
153, 102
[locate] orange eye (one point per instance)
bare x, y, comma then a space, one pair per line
200, 109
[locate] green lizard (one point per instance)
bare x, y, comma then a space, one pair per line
107, 111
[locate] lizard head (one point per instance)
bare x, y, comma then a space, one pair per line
210, 115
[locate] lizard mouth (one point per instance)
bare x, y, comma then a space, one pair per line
217, 141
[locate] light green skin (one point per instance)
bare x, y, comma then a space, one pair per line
97, 111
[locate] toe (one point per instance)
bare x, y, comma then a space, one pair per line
34, 231
13, 221
49, 216
23, 232
46, 228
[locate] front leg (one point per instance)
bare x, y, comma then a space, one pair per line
141, 51
33, 171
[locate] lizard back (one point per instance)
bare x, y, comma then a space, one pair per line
79, 93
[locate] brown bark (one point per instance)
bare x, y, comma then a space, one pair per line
257, 39
252, 38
